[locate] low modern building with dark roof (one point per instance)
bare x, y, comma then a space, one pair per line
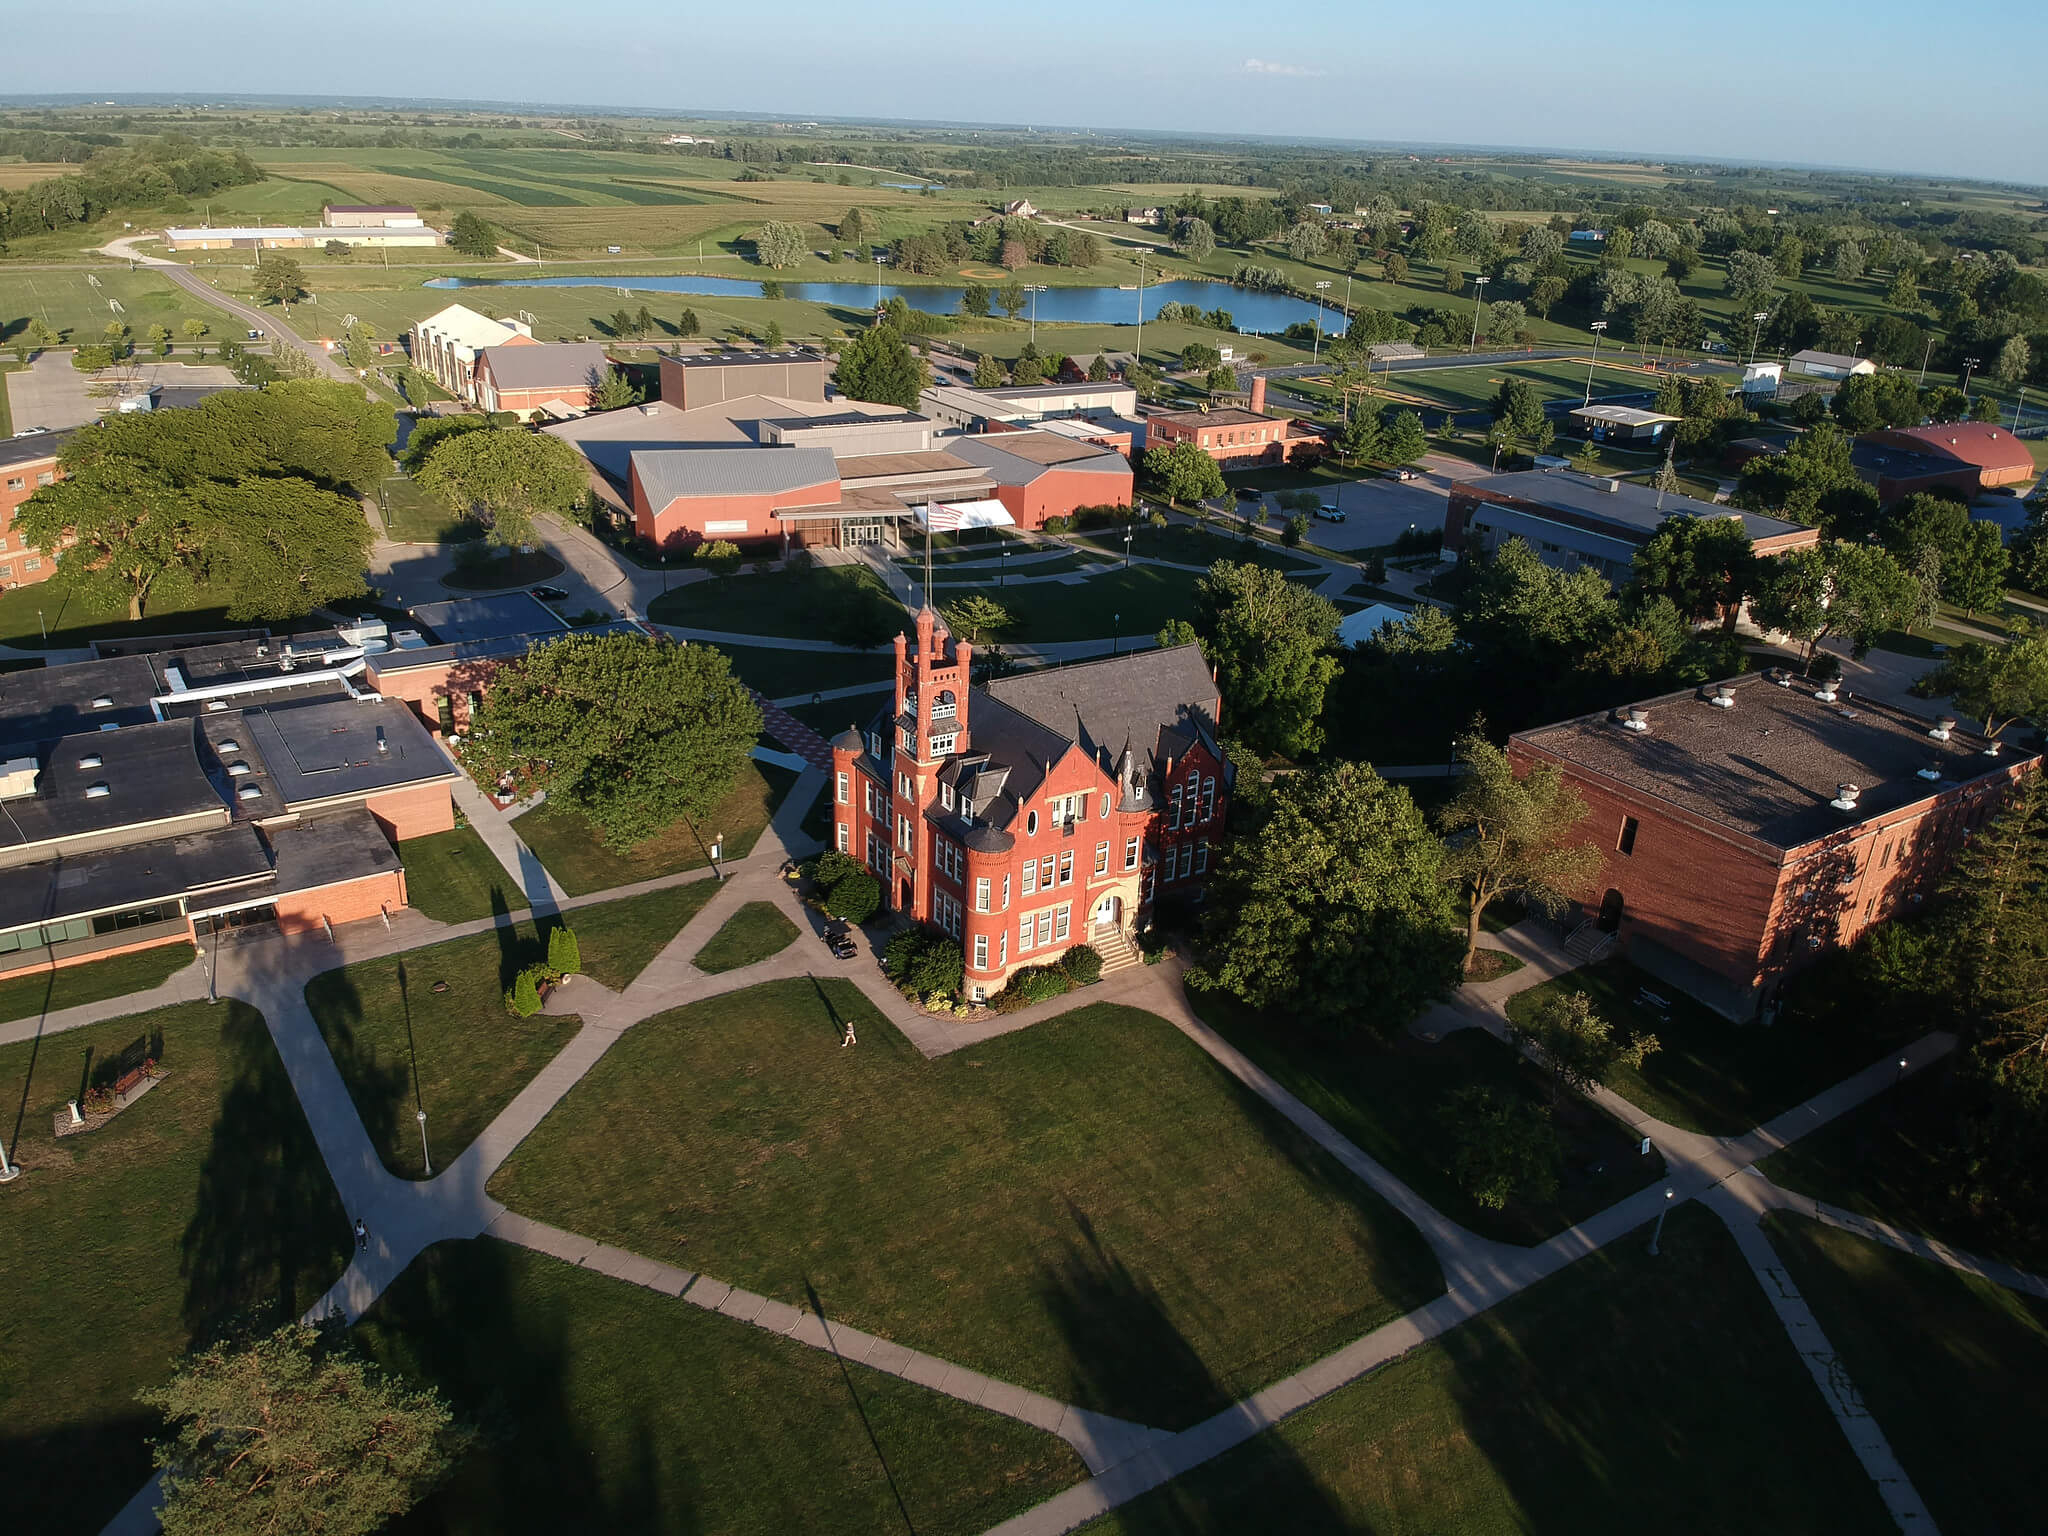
1981, 455
1750, 825
1050, 809
1572, 520
146, 799
693, 379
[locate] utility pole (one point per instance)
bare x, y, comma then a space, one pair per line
1478, 292
1756, 331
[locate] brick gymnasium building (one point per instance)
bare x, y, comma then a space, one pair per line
1750, 825
552, 379
795, 472
25, 464
1976, 455
1237, 439
1046, 810
153, 798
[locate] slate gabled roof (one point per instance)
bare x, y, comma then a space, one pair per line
1154, 702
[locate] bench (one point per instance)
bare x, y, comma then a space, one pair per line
128, 1080
1648, 999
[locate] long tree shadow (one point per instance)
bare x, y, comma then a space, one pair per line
1122, 1347
460, 1319
267, 1234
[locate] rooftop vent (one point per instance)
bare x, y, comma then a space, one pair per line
1638, 719
1724, 696
216, 706
1932, 772
1827, 692
98, 791
103, 702
238, 770
1845, 796
1993, 748
1780, 676
250, 792
1943, 728
382, 744
18, 777
227, 745
91, 760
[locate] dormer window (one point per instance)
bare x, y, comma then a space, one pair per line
967, 808
227, 746
946, 796
238, 770
91, 760
250, 792
98, 791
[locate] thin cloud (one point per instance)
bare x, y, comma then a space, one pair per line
1294, 71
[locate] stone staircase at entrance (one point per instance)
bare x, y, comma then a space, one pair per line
1117, 951
1587, 943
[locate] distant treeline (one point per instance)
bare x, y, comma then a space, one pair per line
162, 176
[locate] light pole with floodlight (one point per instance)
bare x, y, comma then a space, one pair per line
1969, 364
1670, 1194
1478, 292
1756, 331
1316, 355
2018, 406
1597, 327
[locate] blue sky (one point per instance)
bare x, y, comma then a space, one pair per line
1873, 83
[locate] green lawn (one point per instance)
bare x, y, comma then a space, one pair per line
785, 602
439, 1012
1625, 1394
1090, 1208
783, 674
1950, 1365
45, 616
574, 854
25, 997
1136, 602
1711, 1075
608, 1407
412, 516
203, 1202
454, 877
1387, 1099
1184, 544
1898, 1159
618, 938
830, 717
753, 933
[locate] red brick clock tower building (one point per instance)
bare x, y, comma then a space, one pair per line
1049, 809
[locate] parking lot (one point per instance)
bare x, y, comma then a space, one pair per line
1378, 511
51, 393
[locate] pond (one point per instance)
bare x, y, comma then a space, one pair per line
1257, 314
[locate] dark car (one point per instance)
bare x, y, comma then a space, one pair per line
1246, 493
549, 594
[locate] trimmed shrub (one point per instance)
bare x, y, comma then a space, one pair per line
855, 899
565, 955
1034, 984
1058, 525
1083, 965
924, 963
524, 998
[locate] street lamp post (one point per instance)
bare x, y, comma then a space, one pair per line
1127, 546
2017, 406
878, 282
1034, 289
1138, 357
1003, 570
1597, 327
1316, 354
425, 1158
1669, 1195
1926, 353
1969, 365
1116, 632
1478, 293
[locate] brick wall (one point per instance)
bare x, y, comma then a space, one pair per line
15, 555
414, 812
301, 911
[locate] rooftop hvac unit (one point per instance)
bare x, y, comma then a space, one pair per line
1845, 797
18, 777
1826, 693
1993, 748
1932, 772
1638, 719
1943, 728
1724, 697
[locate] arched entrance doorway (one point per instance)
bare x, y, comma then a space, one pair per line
1610, 911
1109, 911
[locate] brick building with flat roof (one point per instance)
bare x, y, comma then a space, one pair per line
1984, 454
26, 464
693, 379
1747, 826
1234, 438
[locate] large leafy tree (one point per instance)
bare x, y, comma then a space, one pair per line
1270, 640
1998, 684
472, 236
1505, 1146
1703, 564
1811, 482
975, 616
429, 432
296, 1432
1184, 472
279, 279
778, 244
1576, 1046
252, 492
1934, 533
634, 734
1517, 404
1856, 591
1335, 910
878, 365
504, 478
1510, 836
1404, 440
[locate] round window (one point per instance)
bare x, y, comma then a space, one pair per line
1105, 807
1031, 824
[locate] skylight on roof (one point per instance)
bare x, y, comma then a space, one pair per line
98, 791
91, 760
103, 702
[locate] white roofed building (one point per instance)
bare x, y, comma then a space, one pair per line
446, 345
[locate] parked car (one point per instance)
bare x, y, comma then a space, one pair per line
1330, 512
1400, 472
549, 594
1246, 493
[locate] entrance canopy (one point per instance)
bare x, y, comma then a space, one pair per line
952, 516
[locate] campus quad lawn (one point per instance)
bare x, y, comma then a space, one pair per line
45, 616
574, 854
1949, 1364
1711, 1075
610, 1407
1896, 1159
1388, 1097
618, 938
453, 877
203, 1200
1185, 545
1621, 1395
755, 932
785, 602
414, 516
26, 997
1134, 602
776, 674
382, 1020
1090, 1207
